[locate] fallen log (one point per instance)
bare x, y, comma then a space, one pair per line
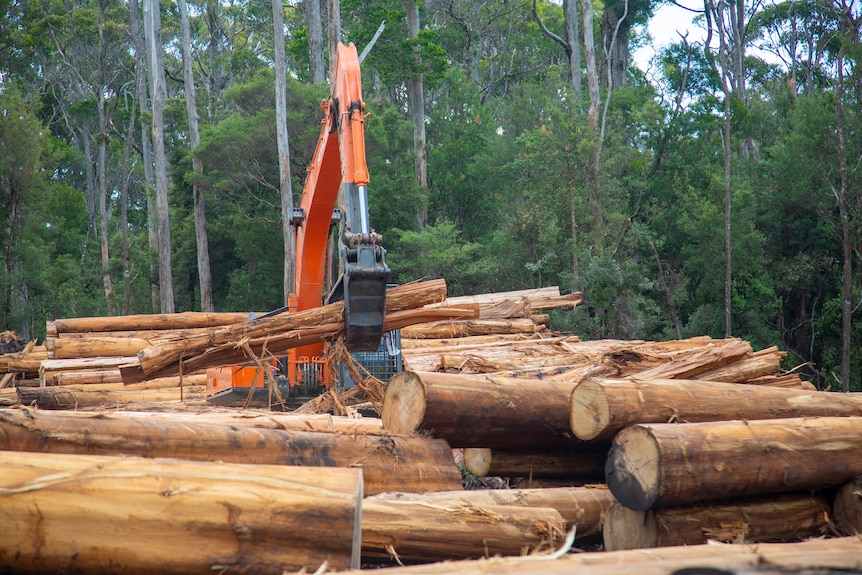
581, 507
584, 463
66, 398
602, 407
786, 517
90, 514
847, 507
715, 355
479, 411
408, 532
448, 329
817, 556
661, 465
95, 346
388, 463
160, 321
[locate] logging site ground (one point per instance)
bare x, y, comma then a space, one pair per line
480, 440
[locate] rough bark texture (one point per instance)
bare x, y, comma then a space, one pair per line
602, 407
90, 514
316, 68
388, 463
478, 412
749, 520
661, 465
408, 531
581, 507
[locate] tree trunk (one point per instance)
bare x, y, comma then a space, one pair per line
388, 463
749, 520
472, 411
472, 327
580, 464
184, 320
593, 118
66, 398
573, 40
416, 99
661, 465
844, 211
602, 407
200, 215
141, 73
581, 507
616, 30
152, 26
316, 68
102, 175
90, 514
407, 531
285, 187
334, 35
847, 507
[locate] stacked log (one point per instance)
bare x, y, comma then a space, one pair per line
91, 514
389, 463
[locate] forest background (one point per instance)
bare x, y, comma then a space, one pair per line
144, 164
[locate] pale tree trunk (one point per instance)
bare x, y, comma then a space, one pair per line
846, 232
316, 67
416, 104
571, 43
283, 148
204, 277
616, 30
103, 176
124, 205
593, 117
152, 28
146, 144
334, 34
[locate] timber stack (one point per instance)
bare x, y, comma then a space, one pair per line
607, 444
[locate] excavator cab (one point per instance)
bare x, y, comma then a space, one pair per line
335, 196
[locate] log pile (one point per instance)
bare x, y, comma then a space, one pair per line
635, 444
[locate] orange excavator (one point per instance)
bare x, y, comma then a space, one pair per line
339, 257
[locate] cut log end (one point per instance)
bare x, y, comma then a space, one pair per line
626, 528
404, 404
591, 410
847, 508
633, 468
477, 460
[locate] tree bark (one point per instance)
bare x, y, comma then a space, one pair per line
602, 407
200, 214
316, 68
152, 27
284, 183
416, 99
471, 411
844, 211
334, 35
102, 176
472, 327
89, 514
847, 507
581, 507
749, 520
388, 463
661, 465
185, 320
66, 398
580, 464
407, 531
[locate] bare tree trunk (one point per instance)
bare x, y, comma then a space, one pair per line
146, 145
152, 28
616, 30
573, 40
728, 260
334, 34
283, 148
846, 232
416, 95
204, 277
316, 69
102, 175
593, 115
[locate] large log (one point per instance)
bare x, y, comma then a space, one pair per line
847, 507
584, 463
602, 407
479, 411
660, 465
90, 514
786, 517
580, 507
95, 346
389, 463
448, 329
407, 531
67, 398
813, 557
161, 321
